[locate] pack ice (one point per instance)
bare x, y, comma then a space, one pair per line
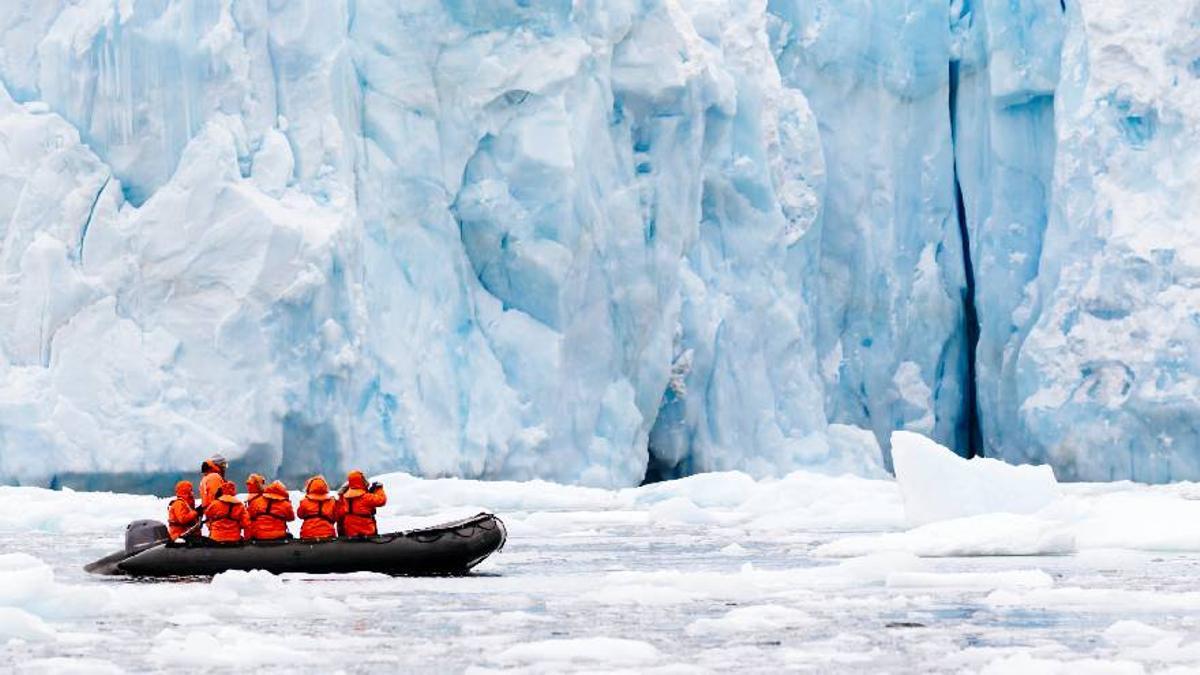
594, 241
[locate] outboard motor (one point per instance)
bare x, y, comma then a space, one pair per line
142, 534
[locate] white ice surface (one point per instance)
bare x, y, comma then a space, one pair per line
986, 507
938, 484
627, 580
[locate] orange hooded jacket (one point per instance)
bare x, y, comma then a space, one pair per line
356, 508
254, 486
210, 485
181, 513
254, 489
318, 510
225, 516
270, 512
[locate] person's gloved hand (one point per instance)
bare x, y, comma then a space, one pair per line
200, 509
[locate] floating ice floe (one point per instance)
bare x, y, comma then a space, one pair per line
581, 651
939, 485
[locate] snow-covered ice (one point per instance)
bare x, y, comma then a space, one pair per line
938, 484
985, 507
595, 580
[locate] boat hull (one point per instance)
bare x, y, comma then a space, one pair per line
453, 548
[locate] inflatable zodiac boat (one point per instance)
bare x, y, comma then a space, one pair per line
450, 549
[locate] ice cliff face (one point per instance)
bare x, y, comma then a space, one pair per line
1106, 382
591, 241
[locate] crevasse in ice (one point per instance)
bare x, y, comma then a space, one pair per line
591, 241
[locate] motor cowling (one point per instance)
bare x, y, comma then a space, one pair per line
142, 534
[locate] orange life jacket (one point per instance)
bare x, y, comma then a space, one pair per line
181, 512
226, 516
210, 485
318, 510
181, 516
270, 513
320, 518
356, 508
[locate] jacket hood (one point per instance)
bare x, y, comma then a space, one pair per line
316, 488
356, 484
276, 490
183, 490
228, 492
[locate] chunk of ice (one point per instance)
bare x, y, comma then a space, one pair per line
938, 485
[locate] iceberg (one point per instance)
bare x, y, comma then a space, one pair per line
938, 485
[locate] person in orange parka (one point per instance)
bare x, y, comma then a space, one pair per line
213, 470
226, 516
181, 513
254, 487
270, 512
318, 510
356, 508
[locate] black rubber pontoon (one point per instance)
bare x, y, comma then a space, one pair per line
453, 548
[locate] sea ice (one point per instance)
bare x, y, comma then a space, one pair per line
587, 576
1024, 664
17, 624
982, 535
756, 619
593, 650
938, 484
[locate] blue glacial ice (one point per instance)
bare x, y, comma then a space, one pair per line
595, 241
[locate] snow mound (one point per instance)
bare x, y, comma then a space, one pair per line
735, 550
595, 650
263, 595
757, 619
230, 648
17, 624
1025, 664
1141, 641
28, 584
985, 535
680, 511
1135, 519
937, 484
67, 511
70, 666
255, 583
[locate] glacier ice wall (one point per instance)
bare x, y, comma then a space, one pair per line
593, 240
449, 238
1106, 383
889, 275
